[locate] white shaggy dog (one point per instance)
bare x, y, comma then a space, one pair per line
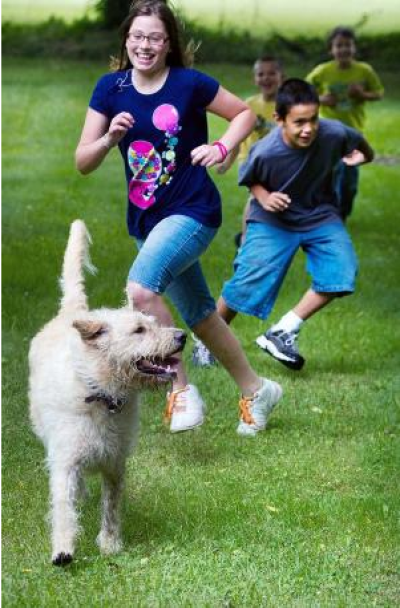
85, 370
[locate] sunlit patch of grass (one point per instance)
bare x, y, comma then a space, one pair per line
21, 11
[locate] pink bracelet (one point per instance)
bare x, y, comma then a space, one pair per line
222, 148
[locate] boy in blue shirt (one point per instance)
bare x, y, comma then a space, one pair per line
290, 176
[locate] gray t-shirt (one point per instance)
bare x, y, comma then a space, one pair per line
305, 174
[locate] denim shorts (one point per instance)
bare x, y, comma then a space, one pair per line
168, 262
265, 257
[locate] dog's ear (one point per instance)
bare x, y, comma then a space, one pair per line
90, 330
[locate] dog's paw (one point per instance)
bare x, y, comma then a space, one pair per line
109, 544
62, 559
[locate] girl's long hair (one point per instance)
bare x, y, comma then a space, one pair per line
178, 55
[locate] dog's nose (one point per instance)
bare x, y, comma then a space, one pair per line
180, 337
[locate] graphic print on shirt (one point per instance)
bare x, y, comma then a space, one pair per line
146, 166
263, 126
149, 169
341, 91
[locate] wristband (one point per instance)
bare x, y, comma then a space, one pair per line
222, 148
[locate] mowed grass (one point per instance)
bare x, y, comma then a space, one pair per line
261, 17
307, 514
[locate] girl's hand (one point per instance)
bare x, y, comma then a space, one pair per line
119, 125
206, 155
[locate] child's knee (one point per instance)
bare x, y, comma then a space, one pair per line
139, 297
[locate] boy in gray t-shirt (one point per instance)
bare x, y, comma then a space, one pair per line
290, 176
304, 174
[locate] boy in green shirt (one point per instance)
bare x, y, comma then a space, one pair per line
344, 85
268, 77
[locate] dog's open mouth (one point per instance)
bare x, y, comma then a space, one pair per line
163, 369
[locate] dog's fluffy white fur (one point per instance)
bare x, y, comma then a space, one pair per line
86, 368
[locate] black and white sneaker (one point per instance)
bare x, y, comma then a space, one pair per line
201, 356
282, 346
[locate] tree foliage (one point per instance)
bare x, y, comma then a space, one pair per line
112, 12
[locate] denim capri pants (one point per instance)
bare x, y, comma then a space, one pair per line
168, 262
265, 257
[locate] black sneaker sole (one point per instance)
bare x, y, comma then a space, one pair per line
295, 365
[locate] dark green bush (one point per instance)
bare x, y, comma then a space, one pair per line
85, 39
112, 12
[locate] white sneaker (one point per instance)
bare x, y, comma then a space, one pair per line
255, 410
185, 409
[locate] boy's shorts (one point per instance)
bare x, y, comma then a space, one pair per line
265, 257
168, 262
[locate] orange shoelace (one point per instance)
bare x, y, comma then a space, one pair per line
244, 411
172, 405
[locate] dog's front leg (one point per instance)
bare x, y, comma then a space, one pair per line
109, 538
64, 485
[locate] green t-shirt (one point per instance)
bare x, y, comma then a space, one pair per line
329, 78
265, 122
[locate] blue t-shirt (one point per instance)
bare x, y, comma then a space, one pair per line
156, 151
305, 174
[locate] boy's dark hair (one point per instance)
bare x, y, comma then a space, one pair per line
294, 92
341, 30
270, 59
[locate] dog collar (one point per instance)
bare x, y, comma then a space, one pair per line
114, 404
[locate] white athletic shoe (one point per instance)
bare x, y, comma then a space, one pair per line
185, 409
255, 410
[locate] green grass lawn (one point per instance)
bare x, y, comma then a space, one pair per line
307, 514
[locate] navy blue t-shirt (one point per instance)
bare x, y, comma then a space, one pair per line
156, 151
305, 174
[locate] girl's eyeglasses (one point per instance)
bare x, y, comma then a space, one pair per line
155, 39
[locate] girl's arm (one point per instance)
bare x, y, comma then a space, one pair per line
98, 137
241, 123
228, 162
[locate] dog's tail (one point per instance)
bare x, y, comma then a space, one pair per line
76, 258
